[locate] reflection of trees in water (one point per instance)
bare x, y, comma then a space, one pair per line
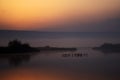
18, 59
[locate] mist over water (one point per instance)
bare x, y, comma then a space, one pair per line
60, 39
83, 64
78, 40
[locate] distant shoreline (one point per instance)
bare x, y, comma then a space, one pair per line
108, 48
16, 46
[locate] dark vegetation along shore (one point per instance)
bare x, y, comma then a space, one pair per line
17, 52
16, 46
109, 48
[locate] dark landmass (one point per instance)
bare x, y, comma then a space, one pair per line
16, 46
48, 48
109, 48
17, 53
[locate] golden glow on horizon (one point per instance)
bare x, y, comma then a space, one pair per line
22, 13
38, 74
30, 74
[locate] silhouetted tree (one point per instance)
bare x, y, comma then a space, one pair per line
14, 43
17, 44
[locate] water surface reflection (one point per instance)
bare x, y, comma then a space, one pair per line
15, 59
84, 64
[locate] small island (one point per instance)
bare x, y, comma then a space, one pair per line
17, 46
109, 48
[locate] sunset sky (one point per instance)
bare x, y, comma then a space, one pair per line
60, 15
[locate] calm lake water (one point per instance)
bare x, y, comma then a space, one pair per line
83, 64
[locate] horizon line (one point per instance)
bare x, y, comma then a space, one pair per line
59, 31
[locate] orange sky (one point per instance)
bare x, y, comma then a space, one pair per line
24, 14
